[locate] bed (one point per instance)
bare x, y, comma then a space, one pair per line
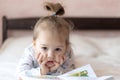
95, 41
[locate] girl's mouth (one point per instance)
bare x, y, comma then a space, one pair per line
50, 64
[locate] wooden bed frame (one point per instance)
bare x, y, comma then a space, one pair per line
81, 23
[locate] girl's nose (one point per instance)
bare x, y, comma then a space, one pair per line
50, 54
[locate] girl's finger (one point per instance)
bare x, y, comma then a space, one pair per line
64, 58
61, 60
43, 63
57, 58
37, 55
40, 58
44, 57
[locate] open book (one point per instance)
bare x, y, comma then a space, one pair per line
82, 73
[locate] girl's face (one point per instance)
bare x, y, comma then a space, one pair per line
51, 45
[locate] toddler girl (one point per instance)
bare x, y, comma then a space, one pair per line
50, 52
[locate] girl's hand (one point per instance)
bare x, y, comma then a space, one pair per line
44, 68
41, 59
59, 61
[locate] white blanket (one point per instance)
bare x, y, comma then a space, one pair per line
101, 53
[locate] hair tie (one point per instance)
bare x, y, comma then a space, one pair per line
54, 14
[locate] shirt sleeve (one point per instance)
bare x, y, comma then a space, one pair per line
26, 66
69, 63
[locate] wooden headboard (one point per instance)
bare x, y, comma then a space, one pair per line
81, 23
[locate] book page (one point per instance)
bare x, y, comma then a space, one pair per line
90, 75
88, 68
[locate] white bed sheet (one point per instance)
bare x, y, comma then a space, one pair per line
101, 53
10, 53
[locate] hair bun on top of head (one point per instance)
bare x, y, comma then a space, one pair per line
55, 8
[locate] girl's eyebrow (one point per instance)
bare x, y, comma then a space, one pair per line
43, 44
56, 46
60, 46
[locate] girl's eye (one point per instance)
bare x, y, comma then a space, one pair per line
57, 49
44, 48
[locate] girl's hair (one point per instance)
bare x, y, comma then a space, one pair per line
54, 22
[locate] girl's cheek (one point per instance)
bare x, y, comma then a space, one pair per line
56, 57
37, 50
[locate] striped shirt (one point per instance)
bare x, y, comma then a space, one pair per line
28, 65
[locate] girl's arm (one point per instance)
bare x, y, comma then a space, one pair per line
27, 65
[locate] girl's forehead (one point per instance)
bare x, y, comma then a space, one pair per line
51, 33
48, 36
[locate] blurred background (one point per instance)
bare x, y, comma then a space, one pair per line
74, 8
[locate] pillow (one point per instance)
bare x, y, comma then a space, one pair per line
84, 46
109, 46
95, 46
13, 48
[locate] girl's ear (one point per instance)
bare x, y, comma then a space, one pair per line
68, 48
34, 43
